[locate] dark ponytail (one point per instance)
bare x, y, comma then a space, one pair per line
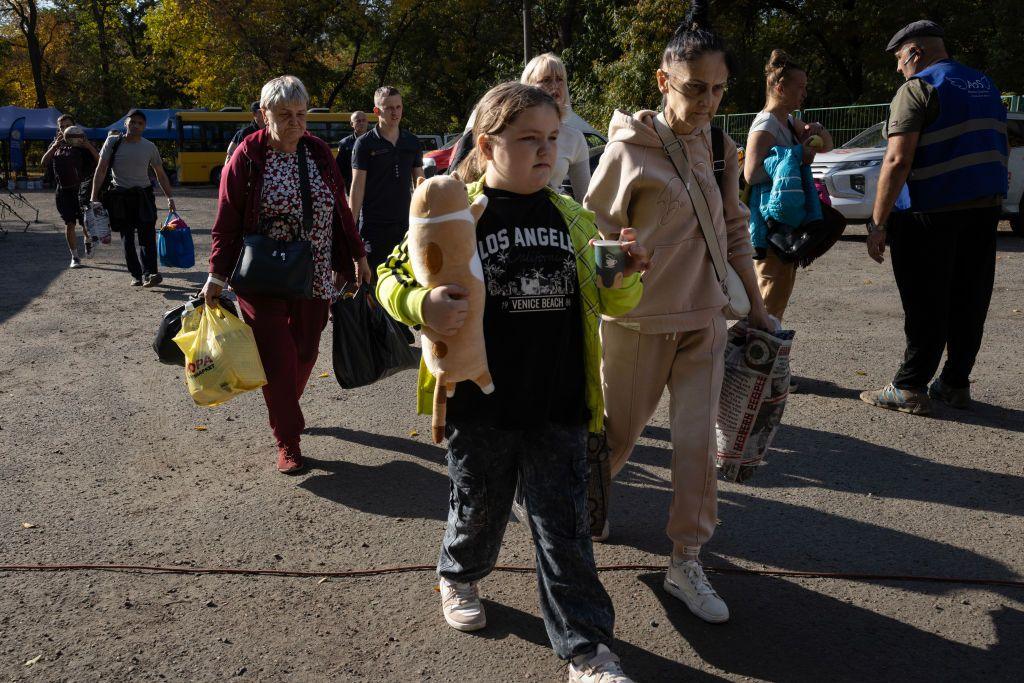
694, 38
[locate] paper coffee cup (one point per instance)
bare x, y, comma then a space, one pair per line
610, 261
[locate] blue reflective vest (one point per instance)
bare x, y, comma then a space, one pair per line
962, 155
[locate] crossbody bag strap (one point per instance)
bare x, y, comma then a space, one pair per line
307, 200
676, 151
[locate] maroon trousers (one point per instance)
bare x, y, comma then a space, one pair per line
287, 335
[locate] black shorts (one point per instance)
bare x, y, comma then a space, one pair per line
68, 206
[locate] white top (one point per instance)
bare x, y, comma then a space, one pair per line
573, 161
766, 121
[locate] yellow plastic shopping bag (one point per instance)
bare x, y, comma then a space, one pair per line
221, 358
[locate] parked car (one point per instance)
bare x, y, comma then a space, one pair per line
436, 161
439, 158
850, 173
430, 142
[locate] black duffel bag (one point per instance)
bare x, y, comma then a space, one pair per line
368, 344
163, 343
807, 242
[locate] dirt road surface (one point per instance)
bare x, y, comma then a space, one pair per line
100, 454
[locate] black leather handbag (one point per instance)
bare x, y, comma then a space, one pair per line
280, 269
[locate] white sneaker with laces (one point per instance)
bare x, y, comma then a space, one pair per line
601, 667
686, 580
460, 603
519, 510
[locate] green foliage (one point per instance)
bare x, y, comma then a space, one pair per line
99, 57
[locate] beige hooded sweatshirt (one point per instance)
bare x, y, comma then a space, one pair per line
636, 185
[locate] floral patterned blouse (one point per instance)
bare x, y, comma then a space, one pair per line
281, 213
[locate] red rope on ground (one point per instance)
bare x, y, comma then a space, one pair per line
356, 573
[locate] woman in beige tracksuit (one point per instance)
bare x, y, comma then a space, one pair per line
676, 336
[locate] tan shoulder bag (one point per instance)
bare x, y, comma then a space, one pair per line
675, 149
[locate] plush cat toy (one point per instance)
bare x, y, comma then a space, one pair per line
442, 248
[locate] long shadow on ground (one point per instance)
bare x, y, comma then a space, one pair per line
504, 621
802, 457
781, 631
29, 263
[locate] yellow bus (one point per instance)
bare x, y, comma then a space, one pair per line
204, 136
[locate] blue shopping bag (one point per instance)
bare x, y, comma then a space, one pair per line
174, 243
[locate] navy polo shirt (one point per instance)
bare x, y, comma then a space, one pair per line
388, 174
243, 133
344, 159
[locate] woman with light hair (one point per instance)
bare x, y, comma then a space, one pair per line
264, 192
547, 72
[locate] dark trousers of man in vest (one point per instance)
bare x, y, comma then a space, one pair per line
944, 264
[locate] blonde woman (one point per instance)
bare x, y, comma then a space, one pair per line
547, 72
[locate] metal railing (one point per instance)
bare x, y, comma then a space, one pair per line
845, 123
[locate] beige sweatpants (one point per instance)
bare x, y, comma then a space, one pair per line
775, 279
635, 370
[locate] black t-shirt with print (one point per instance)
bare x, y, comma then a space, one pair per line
533, 329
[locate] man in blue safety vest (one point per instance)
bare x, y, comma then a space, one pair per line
947, 143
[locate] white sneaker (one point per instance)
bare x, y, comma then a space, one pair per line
75, 262
519, 510
601, 667
686, 581
461, 605
603, 536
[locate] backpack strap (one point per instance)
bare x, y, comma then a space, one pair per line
718, 156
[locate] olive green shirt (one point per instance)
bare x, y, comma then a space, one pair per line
914, 108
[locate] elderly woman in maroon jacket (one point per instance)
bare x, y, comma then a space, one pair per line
259, 193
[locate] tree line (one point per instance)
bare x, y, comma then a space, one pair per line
97, 58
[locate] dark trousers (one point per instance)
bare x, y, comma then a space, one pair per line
133, 213
287, 335
944, 264
381, 239
551, 463
146, 248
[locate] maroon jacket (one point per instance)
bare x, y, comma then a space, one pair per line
238, 203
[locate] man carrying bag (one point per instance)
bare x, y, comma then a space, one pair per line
128, 196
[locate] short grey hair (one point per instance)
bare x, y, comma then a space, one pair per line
283, 89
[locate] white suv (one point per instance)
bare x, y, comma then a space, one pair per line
850, 173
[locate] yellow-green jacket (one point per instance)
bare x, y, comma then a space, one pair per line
402, 297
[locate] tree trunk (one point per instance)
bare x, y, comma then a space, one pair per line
27, 13
343, 81
99, 16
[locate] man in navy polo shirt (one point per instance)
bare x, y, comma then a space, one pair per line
360, 124
385, 163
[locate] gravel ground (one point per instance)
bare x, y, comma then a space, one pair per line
99, 453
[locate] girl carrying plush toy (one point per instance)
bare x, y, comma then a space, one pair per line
541, 318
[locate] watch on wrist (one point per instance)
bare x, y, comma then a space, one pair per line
875, 227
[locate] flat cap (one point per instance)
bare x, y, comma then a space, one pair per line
914, 29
